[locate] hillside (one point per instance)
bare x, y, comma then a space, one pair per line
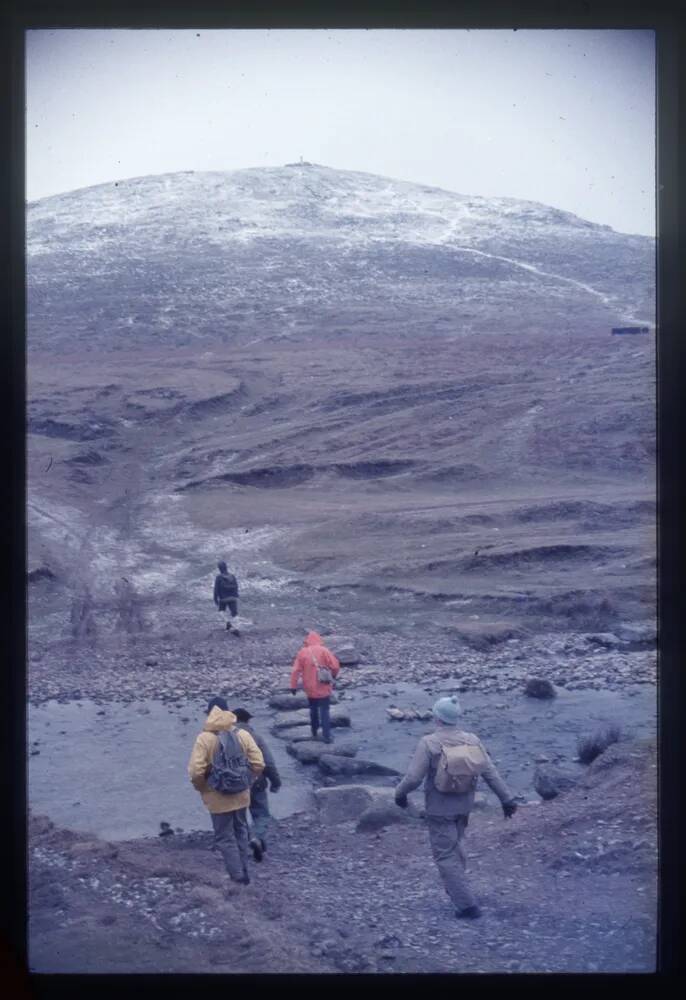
211, 258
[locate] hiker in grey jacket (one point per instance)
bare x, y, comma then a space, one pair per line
447, 813
259, 805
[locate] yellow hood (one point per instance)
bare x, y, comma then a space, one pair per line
219, 721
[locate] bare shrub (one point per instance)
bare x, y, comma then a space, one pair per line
81, 617
128, 607
590, 747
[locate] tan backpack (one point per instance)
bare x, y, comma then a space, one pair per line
458, 767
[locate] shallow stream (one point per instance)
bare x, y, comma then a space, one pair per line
118, 771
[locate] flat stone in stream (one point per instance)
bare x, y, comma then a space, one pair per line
331, 764
285, 720
309, 751
292, 702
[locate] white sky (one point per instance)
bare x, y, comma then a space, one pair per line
562, 117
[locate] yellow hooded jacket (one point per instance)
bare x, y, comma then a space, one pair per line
201, 760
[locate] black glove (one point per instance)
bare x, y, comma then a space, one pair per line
509, 809
401, 800
274, 786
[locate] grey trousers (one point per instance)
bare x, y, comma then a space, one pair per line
259, 810
445, 837
231, 840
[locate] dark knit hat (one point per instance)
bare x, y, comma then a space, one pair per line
217, 702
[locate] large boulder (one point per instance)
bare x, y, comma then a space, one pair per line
287, 720
343, 649
539, 687
335, 765
309, 751
346, 803
382, 813
343, 803
292, 702
549, 782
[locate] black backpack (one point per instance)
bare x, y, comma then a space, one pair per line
229, 773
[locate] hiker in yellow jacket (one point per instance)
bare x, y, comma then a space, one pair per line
227, 811
449, 786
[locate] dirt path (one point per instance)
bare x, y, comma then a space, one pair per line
567, 886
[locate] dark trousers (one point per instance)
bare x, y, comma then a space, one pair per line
232, 603
259, 809
231, 840
319, 712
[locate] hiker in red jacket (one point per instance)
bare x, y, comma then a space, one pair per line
313, 664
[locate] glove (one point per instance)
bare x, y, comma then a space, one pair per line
509, 809
401, 800
293, 691
274, 786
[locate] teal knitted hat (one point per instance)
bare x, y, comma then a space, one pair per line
447, 710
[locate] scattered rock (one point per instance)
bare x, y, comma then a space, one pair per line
539, 687
93, 849
410, 714
550, 781
637, 634
483, 635
205, 895
608, 640
150, 661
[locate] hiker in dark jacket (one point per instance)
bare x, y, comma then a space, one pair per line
447, 812
226, 592
259, 804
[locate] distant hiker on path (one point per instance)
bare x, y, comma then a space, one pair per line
226, 592
223, 762
450, 762
318, 668
259, 805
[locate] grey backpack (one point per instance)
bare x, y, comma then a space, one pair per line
324, 675
229, 773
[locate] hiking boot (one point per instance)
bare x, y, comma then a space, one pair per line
256, 848
327, 739
469, 913
228, 626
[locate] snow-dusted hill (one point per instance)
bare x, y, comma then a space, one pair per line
305, 249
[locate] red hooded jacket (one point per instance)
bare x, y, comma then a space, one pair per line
304, 666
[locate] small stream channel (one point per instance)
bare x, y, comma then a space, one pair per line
118, 771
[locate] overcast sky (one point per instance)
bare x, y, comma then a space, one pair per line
563, 117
